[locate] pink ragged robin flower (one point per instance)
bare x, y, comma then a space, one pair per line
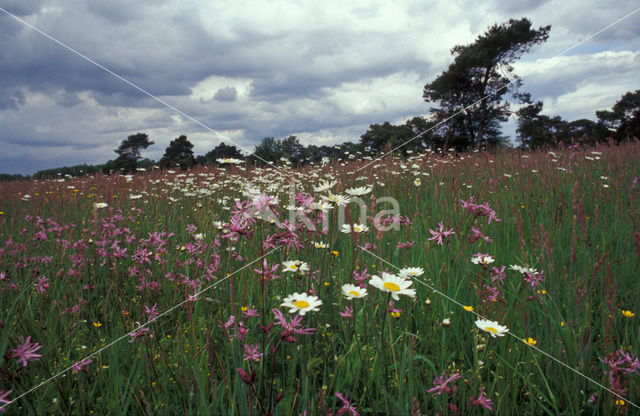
152, 311
347, 313
293, 327
477, 235
482, 400
533, 278
405, 246
440, 234
491, 293
3, 399
81, 365
250, 313
252, 352
347, 407
267, 272
26, 351
498, 274
441, 384
140, 332
42, 284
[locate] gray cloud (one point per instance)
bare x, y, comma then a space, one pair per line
329, 69
227, 94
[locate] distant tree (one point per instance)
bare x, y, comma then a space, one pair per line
74, 171
587, 131
223, 151
129, 152
178, 153
624, 118
292, 149
8, 177
537, 130
269, 150
385, 137
481, 72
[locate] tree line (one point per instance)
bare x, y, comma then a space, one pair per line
468, 103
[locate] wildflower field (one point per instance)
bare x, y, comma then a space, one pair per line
484, 283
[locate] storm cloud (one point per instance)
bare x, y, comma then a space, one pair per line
249, 69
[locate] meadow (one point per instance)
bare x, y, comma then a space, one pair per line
501, 283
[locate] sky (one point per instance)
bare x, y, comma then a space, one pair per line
248, 69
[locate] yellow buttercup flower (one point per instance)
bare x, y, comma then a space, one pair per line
530, 341
97, 324
628, 314
468, 308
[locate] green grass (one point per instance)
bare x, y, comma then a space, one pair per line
583, 235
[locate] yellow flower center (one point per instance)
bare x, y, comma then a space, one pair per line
301, 304
354, 293
490, 329
391, 286
294, 266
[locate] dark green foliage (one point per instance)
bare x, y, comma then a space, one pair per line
536, 130
272, 150
129, 152
75, 171
385, 137
221, 151
292, 149
8, 177
409, 136
479, 78
178, 153
624, 118
268, 150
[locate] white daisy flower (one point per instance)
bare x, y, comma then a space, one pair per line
101, 205
353, 291
408, 272
324, 186
393, 284
295, 266
339, 200
492, 327
362, 190
523, 270
417, 182
301, 303
321, 206
198, 236
230, 160
356, 228
319, 244
485, 259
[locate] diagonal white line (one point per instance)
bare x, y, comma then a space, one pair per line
508, 332
138, 328
121, 78
498, 90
